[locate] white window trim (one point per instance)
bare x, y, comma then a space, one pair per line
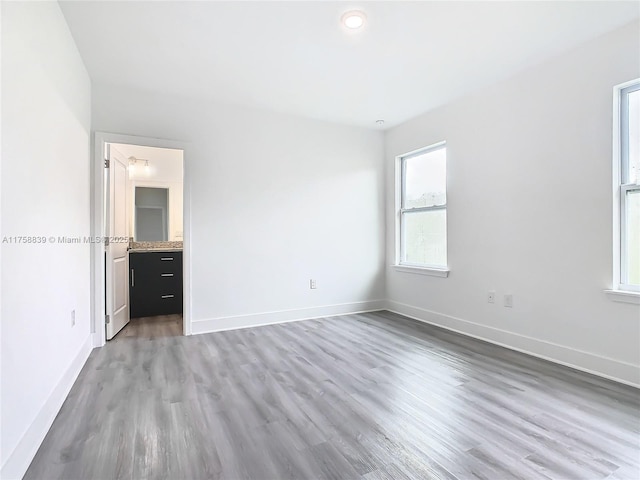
620, 292
420, 270
430, 270
623, 296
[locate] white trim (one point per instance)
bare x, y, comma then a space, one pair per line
623, 296
431, 271
616, 179
618, 199
421, 150
609, 368
397, 185
97, 227
400, 175
235, 322
19, 460
624, 243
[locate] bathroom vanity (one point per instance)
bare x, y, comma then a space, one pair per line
155, 282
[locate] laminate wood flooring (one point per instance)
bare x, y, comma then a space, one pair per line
369, 397
151, 328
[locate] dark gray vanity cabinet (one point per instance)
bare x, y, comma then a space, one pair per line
155, 283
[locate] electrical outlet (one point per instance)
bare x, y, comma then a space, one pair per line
491, 297
508, 301
73, 318
312, 284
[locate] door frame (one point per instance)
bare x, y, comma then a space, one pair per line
98, 227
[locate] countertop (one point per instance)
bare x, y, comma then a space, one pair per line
144, 247
159, 249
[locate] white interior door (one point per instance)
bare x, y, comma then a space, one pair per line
117, 256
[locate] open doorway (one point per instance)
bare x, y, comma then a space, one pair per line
141, 267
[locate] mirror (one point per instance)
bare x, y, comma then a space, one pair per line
152, 206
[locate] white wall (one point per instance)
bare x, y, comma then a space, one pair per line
45, 192
530, 211
164, 171
275, 201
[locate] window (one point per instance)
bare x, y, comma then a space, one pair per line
423, 208
627, 187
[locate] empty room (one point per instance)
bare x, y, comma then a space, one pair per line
271, 240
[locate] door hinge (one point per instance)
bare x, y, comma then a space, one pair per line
106, 163
107, 320
106, 241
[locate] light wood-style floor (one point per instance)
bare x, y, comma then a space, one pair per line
370, 396
150, 328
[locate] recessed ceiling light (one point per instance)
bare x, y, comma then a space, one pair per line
380, 122
353, 19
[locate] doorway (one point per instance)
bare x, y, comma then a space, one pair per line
140, 258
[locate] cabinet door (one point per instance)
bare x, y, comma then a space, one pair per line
141, 284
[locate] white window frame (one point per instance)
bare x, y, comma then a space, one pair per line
406, 267
621, 291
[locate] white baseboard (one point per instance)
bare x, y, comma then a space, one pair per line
19, 460
283, 316
599, 365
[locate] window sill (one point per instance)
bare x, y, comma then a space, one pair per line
432, 272
623, 296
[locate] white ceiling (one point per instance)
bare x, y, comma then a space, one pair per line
295, 57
